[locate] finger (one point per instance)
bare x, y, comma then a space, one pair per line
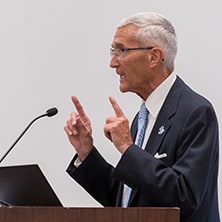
71, 129
72, 123
107, 134
67, 130
73, 118
79, 108
111, 119
116, 107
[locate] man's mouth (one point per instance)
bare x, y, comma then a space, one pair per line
121, 76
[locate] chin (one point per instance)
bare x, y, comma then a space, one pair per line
123, 89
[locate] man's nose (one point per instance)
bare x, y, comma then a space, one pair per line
114, 62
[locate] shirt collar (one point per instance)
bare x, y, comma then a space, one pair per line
156, 99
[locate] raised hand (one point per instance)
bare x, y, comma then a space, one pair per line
117, 128
79, 131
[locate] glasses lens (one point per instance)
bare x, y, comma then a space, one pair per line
112, 52
116, 52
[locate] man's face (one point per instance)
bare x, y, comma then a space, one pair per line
132, 67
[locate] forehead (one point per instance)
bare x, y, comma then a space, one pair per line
125, 35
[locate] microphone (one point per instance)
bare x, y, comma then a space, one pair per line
50, 112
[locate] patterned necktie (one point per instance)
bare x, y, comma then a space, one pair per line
142, 124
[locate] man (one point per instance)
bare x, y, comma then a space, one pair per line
177, 165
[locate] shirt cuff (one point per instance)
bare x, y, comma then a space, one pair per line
77, 162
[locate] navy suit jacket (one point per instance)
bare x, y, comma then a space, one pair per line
186, 130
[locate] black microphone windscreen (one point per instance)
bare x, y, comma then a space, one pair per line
52, 111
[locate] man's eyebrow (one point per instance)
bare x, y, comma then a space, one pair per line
117, 45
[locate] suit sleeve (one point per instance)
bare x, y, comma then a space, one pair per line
95, 175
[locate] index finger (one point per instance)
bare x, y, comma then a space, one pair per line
116, 107
78, 106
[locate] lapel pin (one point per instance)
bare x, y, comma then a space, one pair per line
161, 130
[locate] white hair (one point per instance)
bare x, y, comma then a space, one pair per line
155, 29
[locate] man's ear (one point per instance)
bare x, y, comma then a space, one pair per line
155, 56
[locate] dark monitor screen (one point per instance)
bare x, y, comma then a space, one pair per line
26, 185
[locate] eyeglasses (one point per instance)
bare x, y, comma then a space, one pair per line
118, 52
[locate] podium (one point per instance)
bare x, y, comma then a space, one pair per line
31, 199
109, 214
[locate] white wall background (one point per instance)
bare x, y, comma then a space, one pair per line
52, 49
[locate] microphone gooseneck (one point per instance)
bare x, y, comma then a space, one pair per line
49, 113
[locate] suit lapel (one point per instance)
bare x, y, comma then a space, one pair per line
158, 133
163, 122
